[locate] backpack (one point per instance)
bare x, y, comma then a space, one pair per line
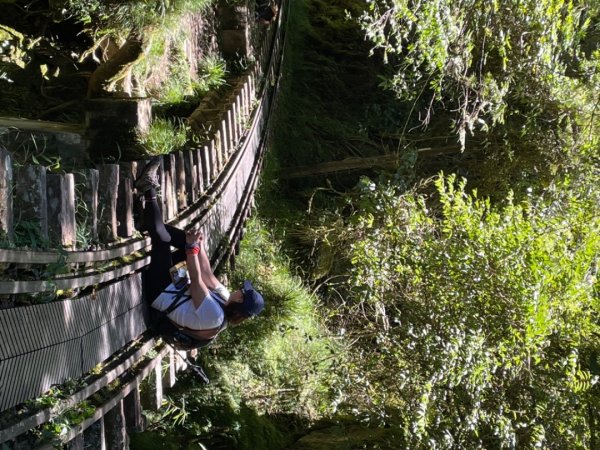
179, 337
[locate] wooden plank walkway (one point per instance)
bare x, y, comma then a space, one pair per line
42, 345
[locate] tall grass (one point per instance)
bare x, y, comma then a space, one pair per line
164, 136
212, 74
276, 366
123, 17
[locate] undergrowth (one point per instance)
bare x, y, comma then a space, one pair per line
121, 17
270, 377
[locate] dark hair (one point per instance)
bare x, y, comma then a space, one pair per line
234, 313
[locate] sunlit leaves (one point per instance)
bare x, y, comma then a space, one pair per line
478, 56
492, 314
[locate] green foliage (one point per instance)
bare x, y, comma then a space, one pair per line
481, 59
178, 85
123, 17
28, 233
268, 376
57, 429
164, 136
213, 71
330, 107
475, 326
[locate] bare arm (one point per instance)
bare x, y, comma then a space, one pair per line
198, 288
206, 271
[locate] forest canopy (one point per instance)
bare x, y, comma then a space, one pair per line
516, 81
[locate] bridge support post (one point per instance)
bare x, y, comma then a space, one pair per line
31, 200
61, 208
158, 381
169, 189
6, 204
127, 175
191, 176
132, 407
115, 428
180, 182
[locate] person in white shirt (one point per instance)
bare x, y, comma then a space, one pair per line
209, 306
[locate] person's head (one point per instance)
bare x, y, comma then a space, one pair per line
243, 304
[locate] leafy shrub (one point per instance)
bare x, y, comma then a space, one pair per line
475, 326
213, 71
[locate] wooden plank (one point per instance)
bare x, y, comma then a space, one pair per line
111, 336
4, 344
56, 313
235, 122
127, 173
9, 322
34, 327
218, 153
15, 287
108, 191
8, 384
180, 183
246, 99
6, 195
251, 88
128, 360
41, 125
225, 144
231, 134
239, 116
207, 165
112, 402
31, 201
46, 257
199, 177
31, 374
172, 367
214, 157
169, 188
60, 191
158, 384
191, 176
86, 308
86, 188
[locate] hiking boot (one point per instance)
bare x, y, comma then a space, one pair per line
148, 179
